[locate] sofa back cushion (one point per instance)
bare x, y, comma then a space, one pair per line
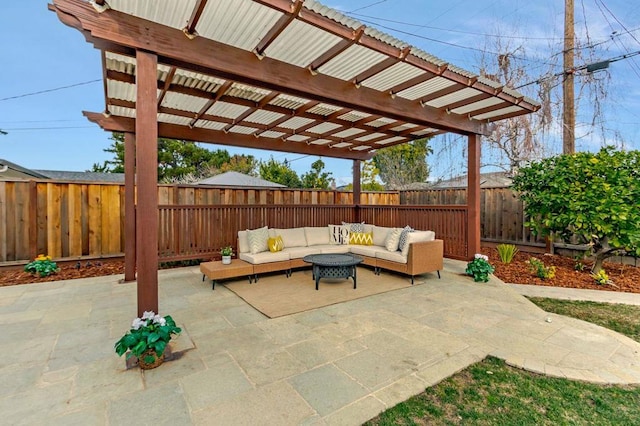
292, 237
243, 242
393, 238
416, 237
380, 235
317, 235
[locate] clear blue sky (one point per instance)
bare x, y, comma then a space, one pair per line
48, 131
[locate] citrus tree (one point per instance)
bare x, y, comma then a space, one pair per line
594, 196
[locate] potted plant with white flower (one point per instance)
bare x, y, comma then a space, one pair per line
479, 268
148, 339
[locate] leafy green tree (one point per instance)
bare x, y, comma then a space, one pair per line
316, 177
401, 165
368, 175
176, 158
278, 172
593, 196
246, 164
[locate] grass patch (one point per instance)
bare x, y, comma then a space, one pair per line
625, 319
491, 392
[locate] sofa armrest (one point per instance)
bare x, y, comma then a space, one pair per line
425, 256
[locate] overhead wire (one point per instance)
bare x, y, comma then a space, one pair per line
50, 90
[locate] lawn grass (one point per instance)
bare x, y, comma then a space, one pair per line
491, 392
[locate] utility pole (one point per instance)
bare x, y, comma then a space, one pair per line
568, 94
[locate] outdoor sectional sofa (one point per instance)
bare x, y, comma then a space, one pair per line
414, 253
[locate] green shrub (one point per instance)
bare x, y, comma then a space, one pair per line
43, 266
540, 270
601, 277
506, 252
479, 268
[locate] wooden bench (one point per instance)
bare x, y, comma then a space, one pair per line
216, 270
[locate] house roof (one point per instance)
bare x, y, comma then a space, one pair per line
487, 180
281, 75
238, 179
9, 170
83, 176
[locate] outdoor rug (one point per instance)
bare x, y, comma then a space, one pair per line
275, 295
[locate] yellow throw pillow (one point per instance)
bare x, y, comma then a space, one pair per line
275, 244
361, 238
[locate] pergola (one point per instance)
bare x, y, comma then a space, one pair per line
282, 75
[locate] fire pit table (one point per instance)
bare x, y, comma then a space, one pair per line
333, 266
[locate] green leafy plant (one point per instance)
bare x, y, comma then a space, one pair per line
149, 332
601, 278
479, 268
579, 266
226, 251
43, 266
540, 270
506, 252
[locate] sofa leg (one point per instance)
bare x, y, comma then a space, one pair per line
438, 274
411, 279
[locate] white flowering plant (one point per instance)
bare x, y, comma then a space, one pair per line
479, 268
151, 332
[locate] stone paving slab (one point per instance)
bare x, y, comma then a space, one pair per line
341, 364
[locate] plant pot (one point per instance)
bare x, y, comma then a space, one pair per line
226, 260
157, 360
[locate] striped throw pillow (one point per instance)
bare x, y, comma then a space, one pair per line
258, 239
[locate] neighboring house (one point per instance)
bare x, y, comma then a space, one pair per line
238, 179
12, 171
487, 180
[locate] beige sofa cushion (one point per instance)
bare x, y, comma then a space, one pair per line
300, 252
370, 251
380, 235
392, 240
332, 249
317, 235
417, 236
394, 256
243, 242
293, 237
258, 239
264, 257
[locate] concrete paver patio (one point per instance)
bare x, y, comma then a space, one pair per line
341, 364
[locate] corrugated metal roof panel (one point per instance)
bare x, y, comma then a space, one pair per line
272, 134
354, 116
324, 109
263, 117
498, 113
477, 105
120, 63
295, 122
323, 128
212, 125
392, 76
239, 23
361, 148
122, 111
390, 140
459, 95
243, 130
424, 132
197, 80
297, 138
300, 43
342, 145
347, 133
173, 13
404, 126
226, 110
382, 121
287, 101
183, 102
419, 53
173, 119
352, 62
243, 91
120, 90
370, 136
332, 14
426, 87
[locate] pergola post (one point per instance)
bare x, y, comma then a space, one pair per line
356, 189
473, 196
129, 207
147, 180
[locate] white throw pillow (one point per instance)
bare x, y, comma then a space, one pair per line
339, 234
258, 239
393, 238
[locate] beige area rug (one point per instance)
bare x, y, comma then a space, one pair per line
275, 295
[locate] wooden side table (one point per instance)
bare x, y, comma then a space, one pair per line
217, 271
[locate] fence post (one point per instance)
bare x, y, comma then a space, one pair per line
33, 219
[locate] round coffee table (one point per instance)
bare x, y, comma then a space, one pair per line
333, 266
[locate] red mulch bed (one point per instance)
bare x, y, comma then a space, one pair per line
625, 278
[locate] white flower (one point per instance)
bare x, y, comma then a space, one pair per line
137, 323
148, 315
482, 256
160, 320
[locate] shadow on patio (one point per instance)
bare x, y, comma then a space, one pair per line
339, 364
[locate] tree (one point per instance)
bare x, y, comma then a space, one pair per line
176, 158
403, 164
595, 197
368, 175
278, 172
246, 164
316, 177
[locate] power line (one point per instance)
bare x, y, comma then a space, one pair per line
367, 6
17, 129
50, 90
